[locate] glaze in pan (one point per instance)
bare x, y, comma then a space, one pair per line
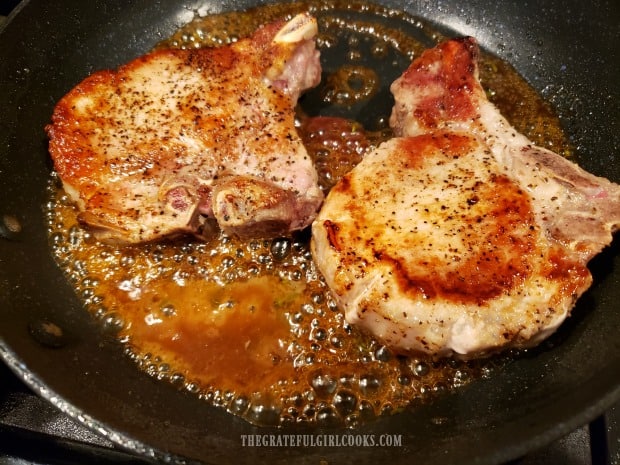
567, 51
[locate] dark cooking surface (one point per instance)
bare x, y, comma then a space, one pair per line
40, 434
544, 396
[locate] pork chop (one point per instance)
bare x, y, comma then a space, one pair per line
459, 235
177, 137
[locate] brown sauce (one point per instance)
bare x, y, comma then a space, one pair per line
249, 325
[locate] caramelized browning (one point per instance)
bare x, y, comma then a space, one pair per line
143, 150
460, 235
437, 69
485, 218
249, 325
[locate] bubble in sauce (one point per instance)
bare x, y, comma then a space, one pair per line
303, 363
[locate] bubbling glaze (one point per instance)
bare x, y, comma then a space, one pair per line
249, 325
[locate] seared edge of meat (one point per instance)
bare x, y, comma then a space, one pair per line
460, 236
142, 150
441, 90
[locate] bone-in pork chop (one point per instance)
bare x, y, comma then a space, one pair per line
176, 137
460, 236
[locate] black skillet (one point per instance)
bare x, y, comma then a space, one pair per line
567, 49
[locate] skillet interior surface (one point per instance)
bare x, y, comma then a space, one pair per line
566, 49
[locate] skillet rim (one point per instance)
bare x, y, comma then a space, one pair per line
39, 386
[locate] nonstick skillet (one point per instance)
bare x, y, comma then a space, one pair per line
568, 50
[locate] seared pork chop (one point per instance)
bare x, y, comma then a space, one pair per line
179, 136
460, 236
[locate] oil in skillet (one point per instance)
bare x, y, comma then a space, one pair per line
249, 325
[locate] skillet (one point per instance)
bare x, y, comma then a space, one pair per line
568, 50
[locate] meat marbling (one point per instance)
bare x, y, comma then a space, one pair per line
177, 137
460, 235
